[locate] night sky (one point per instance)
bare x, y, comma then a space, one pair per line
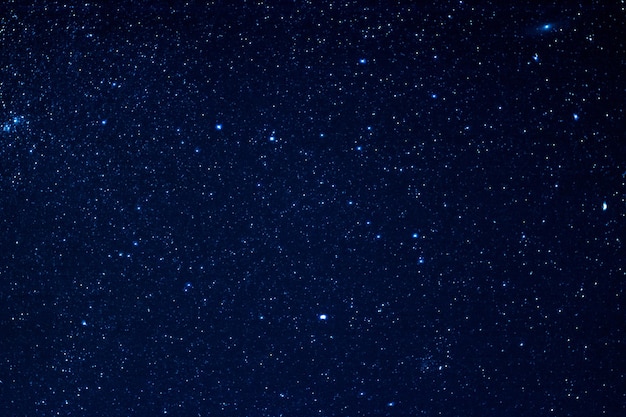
302, 208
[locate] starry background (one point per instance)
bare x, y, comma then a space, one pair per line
302, 209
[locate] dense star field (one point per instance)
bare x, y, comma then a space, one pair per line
300, 208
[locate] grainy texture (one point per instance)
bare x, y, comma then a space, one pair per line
312, 209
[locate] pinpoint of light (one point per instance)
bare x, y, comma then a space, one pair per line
103, 122
575, 116
362, 61
415, 235
323, 317
83, 323
218, 126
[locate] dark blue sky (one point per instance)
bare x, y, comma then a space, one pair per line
302, 209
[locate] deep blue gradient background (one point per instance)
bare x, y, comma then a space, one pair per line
186, 189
